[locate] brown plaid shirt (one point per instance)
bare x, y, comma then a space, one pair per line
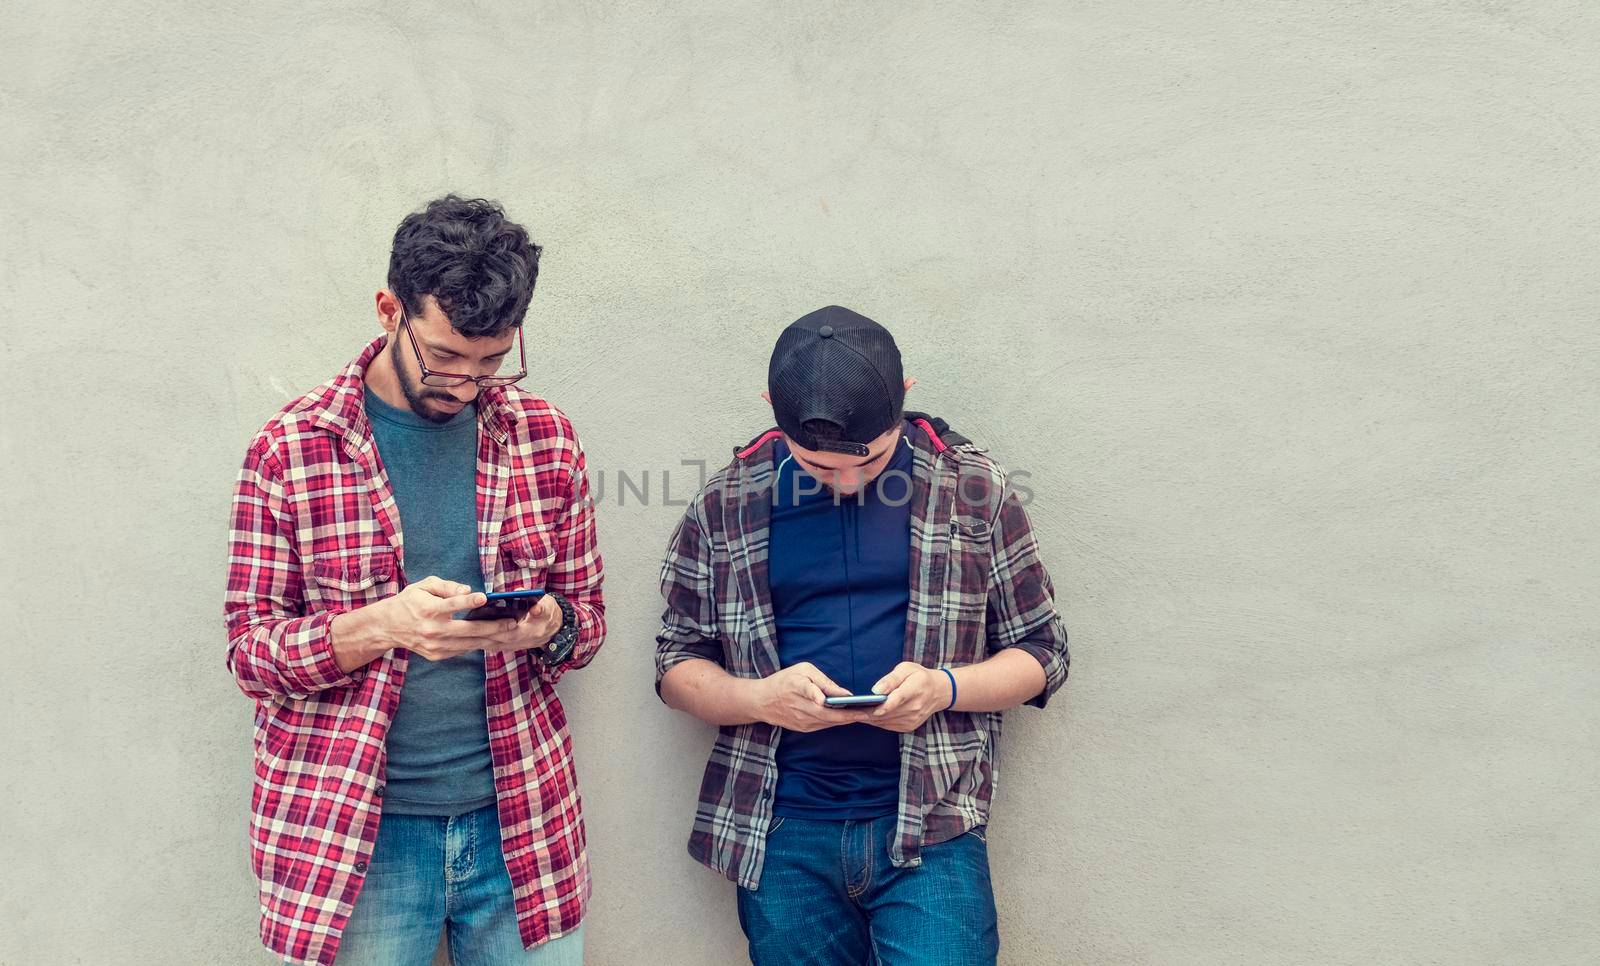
977, 587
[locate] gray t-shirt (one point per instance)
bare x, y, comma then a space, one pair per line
438, 744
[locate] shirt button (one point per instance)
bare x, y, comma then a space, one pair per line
380, 790
361, 867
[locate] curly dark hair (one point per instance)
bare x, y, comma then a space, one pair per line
464, 252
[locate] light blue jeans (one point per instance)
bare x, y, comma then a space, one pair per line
428, 874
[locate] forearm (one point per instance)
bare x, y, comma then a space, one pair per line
1003, 681
359, 637
703, 689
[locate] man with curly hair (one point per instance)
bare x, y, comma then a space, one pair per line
413, 771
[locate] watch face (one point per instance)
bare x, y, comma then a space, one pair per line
560, 646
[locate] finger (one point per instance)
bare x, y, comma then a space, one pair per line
465, 599
814, 695
831, 718
507, 636
885, 714
486, 630
894, 678
430, 583
889, 707
824, 682
439, 587
545, 616
547, 608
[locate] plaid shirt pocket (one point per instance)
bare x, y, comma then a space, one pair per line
353, 578
966, 592
525, 559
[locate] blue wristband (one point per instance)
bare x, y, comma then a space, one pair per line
952, 678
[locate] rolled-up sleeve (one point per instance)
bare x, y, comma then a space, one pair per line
578, 572
275, 649
688, 585
1022, 608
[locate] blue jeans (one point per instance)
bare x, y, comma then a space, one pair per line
830, 897
429, 873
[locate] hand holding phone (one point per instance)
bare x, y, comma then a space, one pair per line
421, 619
793, 699
508, 603
856, 701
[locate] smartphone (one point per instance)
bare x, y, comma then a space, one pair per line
506, 603
856, 701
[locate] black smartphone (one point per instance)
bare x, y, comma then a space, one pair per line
856, 701
506, 603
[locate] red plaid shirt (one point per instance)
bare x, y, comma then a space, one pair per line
315, 532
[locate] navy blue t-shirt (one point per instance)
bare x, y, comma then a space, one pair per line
839, 572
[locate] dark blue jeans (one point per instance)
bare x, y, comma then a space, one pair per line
830, 897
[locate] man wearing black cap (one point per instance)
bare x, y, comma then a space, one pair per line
856, 549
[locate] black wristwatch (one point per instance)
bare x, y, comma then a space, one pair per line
566, 636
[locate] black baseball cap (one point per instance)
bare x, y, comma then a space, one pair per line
839, 367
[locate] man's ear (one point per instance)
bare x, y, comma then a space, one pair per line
767, 396
388, 306
909, 383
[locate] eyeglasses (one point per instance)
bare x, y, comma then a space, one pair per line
431, 377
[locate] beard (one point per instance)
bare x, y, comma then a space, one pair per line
417, 395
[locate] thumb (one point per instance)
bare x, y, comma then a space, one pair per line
545, 607
826, 684
894, 678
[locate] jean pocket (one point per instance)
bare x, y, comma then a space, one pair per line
979, 832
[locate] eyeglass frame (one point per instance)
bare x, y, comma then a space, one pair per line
492, 381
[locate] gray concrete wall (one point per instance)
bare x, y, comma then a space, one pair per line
1288, 308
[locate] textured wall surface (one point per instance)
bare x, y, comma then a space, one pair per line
1288, 309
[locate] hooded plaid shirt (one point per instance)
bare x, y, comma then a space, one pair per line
315, 532
977, 587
